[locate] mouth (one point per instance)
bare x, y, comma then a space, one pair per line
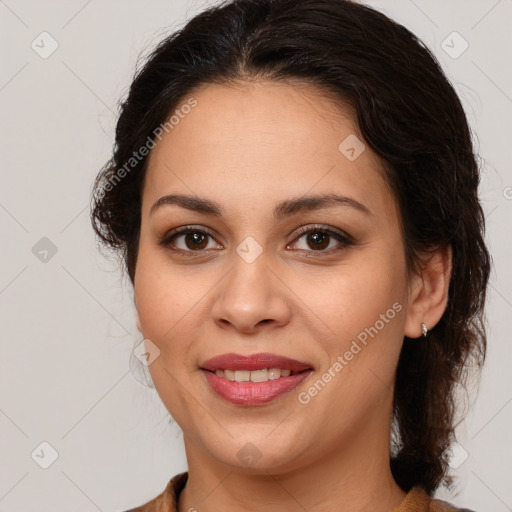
255, 379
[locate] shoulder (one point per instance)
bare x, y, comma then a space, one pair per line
167, 500
417, 500
443, 506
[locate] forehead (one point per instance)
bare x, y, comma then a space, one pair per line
264, 138
288, 118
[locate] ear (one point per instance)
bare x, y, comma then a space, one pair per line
428, 291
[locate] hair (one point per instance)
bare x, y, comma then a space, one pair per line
407, 112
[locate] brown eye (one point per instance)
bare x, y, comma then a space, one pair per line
318, 240
196, 240
189, 240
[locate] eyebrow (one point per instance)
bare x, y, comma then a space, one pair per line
283, 209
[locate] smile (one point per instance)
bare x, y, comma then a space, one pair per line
241, 389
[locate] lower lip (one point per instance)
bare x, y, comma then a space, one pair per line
253, 393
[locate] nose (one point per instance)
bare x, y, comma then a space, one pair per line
250, 298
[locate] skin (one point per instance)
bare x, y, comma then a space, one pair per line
249, 146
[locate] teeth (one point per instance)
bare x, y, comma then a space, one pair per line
253, 376
242, 376
258, 375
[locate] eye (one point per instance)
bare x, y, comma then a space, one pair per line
189, 239
320, 239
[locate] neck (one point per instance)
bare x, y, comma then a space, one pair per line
354, 477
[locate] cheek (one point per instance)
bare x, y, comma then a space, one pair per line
355, 296
159, 296
172, 304
363, 306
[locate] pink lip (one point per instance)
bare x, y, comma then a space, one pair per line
254, 393
253, 362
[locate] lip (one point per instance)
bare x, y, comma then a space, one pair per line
253, 393
253, 362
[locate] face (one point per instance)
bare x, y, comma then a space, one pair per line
268, 266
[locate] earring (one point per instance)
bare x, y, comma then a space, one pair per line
424, 330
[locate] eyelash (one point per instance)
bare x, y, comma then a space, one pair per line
344, 239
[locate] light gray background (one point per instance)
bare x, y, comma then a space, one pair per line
67, 323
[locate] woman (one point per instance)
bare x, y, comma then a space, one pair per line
294, 192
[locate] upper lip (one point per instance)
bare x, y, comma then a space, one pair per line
253, 362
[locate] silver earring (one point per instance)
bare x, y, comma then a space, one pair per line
424, 330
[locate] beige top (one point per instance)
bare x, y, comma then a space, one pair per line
417, 500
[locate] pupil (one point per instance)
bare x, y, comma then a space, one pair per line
195, 241
320, 240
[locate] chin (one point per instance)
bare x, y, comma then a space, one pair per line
258, 454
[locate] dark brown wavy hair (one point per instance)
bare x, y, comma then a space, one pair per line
407, 112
